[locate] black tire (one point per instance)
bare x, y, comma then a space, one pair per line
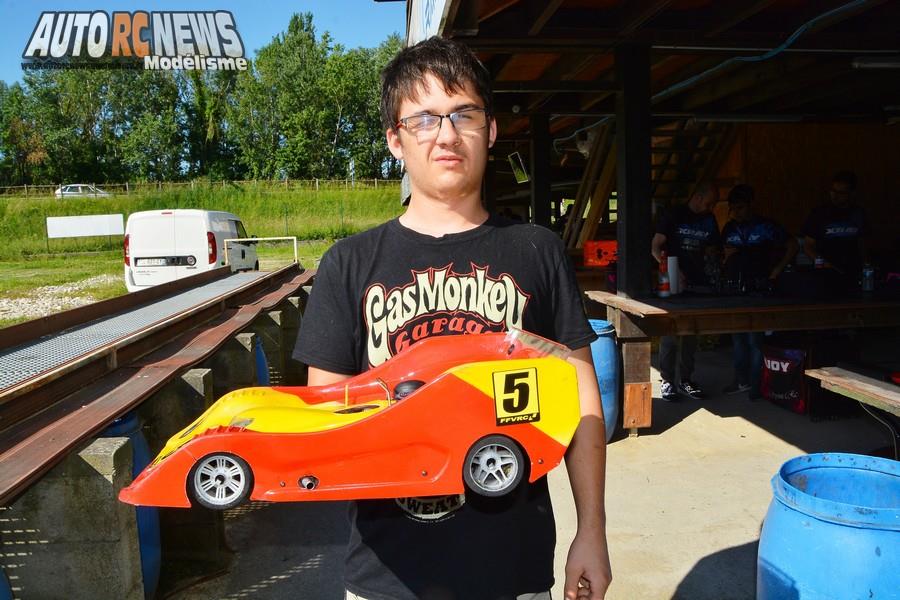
256, 266
220, 481
494, 466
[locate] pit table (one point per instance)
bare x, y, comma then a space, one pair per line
637, 320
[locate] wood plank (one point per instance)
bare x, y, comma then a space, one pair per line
600, 197
867, 390
595, 161
637, 408
629, 305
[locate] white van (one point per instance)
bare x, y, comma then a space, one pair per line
165, 245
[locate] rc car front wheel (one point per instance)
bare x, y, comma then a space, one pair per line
220, 481
494, 466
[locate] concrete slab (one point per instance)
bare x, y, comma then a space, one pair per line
685, 502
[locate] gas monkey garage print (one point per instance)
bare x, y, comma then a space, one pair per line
439, 302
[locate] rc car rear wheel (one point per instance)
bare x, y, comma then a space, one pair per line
220, 481
494, 466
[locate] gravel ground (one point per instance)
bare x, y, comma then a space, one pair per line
50, 299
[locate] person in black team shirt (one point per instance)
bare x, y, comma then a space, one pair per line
835, 231
690, 232
448, 267
756, 251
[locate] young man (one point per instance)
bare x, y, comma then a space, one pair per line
690, 232
379, 291
836, 230
756, 252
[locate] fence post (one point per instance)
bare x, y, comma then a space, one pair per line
376, 184
127, 191
317, 184
26, 190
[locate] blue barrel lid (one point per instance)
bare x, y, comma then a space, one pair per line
842, 513
602, 327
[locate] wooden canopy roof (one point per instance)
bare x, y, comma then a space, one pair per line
714, 60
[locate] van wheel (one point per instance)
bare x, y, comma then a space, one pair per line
256, 266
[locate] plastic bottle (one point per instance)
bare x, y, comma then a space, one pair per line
868, 278
663, 290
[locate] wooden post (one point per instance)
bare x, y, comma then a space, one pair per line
633, 169
637, 404
540, 169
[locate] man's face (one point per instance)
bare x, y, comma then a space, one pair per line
740, 211
704, 203
840, 193
447, 163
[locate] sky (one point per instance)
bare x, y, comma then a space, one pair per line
352, 23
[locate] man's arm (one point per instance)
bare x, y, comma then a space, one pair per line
588, 571
657, 245
322, 377
790, 251
809, 247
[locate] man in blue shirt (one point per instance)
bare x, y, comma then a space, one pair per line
690, 232
836, 230
756, 251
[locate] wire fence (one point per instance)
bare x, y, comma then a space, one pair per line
138, 188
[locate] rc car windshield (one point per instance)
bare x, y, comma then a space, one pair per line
543, 346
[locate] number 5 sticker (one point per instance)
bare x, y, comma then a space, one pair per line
516, 396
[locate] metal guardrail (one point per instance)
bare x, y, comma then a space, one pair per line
43, 424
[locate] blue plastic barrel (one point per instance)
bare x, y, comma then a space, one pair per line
262, 364
832, 530
147, 517
606, 364
5, 589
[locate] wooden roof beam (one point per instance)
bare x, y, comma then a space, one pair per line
637, 13
727, 15
552, 87
541, 11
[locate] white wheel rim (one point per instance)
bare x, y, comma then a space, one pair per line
219, 480
494, 467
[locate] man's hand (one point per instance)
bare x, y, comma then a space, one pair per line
588, 573
587, 568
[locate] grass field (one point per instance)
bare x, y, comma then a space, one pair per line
33, 268
266, 210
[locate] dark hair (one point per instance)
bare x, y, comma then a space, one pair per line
452, 63
846, 177
741, 193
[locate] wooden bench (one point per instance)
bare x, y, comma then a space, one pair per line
867, 391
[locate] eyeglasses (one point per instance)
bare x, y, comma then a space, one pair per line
426, 126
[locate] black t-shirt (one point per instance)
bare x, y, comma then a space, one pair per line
837, 231
688, 235
379, 291
760, 245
